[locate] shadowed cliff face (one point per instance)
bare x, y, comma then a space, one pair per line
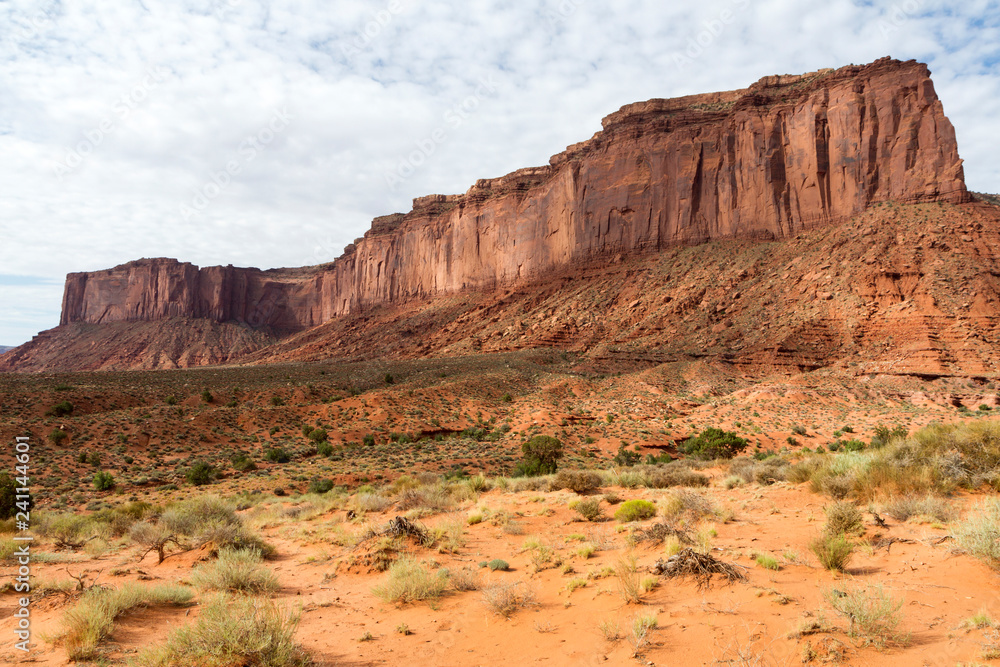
786, 154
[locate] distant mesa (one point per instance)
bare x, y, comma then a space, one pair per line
788, 154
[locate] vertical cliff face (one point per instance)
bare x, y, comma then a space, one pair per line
157, 289
786, 154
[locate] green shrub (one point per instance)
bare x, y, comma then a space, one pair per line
60, 409
103, 481
498, 564
200, 473
833, 551
714, 443
318, 435
635, 510
206, 396
57, 436
8, 497
232, 631
540, 456
767, 562
171, 400
320, 486
242, 463
625, 457
277, 455
277, 401
883, 436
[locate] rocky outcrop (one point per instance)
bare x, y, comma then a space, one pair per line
284, 300
786, 154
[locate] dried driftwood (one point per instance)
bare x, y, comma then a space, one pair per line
688, 562
661, 531
398, 527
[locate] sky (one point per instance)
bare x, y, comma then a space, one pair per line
269, 134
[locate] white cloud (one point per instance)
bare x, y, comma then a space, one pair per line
162, 95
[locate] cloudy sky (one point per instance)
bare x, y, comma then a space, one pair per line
270, 133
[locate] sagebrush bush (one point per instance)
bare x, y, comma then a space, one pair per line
590, 509
768, 471
937, 459
579, 481
237, 571
686, 504
714, 443
635, 510
232, 631
843, 518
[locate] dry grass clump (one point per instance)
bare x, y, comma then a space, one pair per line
579, 481
770, 470
590, 509
370, 502
505, 598
232, 631
936, 459
464, 579
843, 518
435, 498
92, 618
687, 505
659, 532
979, 533
927, 506
409, 581
540, 483
629, 582
833, 551
660, 476
235, 570
874, 615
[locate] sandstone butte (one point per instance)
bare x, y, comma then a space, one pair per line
787, 155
